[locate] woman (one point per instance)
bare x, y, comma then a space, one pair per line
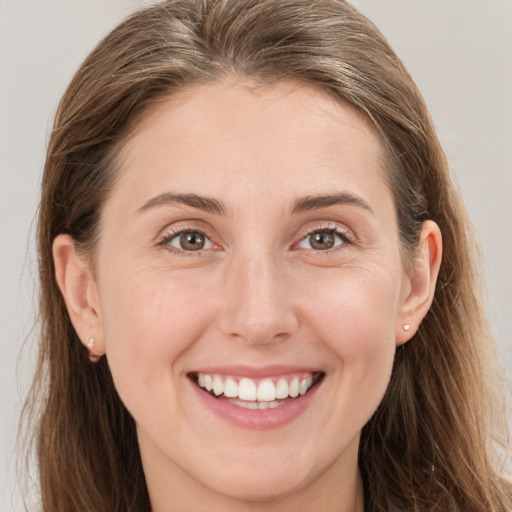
258, 288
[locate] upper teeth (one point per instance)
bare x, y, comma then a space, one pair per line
247, 389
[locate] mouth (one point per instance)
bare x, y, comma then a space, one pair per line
260, 394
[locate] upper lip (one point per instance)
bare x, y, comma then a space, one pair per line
252, 372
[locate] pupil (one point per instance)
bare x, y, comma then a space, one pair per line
324, 240
192, 241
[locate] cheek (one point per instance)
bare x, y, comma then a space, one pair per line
355, 316
356, 305
152, 318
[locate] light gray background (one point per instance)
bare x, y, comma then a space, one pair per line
459, 52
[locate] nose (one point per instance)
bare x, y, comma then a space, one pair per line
257, 301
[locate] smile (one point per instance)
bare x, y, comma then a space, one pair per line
248, 393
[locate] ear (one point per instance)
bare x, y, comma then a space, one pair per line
420, 284
78, 287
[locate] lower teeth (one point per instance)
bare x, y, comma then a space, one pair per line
256, 405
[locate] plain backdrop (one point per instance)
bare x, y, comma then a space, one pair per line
458, 51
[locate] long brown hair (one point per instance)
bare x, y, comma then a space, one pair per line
430, 444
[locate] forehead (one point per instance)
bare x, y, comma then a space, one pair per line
289, 137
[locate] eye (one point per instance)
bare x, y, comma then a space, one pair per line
189, 240
323, 240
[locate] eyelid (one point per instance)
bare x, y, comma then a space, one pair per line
184, 225
172, 232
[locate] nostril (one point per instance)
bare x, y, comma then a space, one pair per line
260, 338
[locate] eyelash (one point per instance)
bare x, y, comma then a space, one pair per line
346, 240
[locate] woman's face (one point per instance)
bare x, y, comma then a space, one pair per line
251, 242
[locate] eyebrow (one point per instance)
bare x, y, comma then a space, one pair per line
211, 205
206, 204
324, 201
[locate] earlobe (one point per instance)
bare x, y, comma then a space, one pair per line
421, 282
78, 287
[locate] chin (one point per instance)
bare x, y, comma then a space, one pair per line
258, 486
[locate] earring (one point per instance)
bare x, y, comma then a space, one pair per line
90, 347
407, 327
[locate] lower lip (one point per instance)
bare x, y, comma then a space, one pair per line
258, 419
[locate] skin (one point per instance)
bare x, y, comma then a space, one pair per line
258, 294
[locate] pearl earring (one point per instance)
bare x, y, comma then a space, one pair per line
90, 342
407, 327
